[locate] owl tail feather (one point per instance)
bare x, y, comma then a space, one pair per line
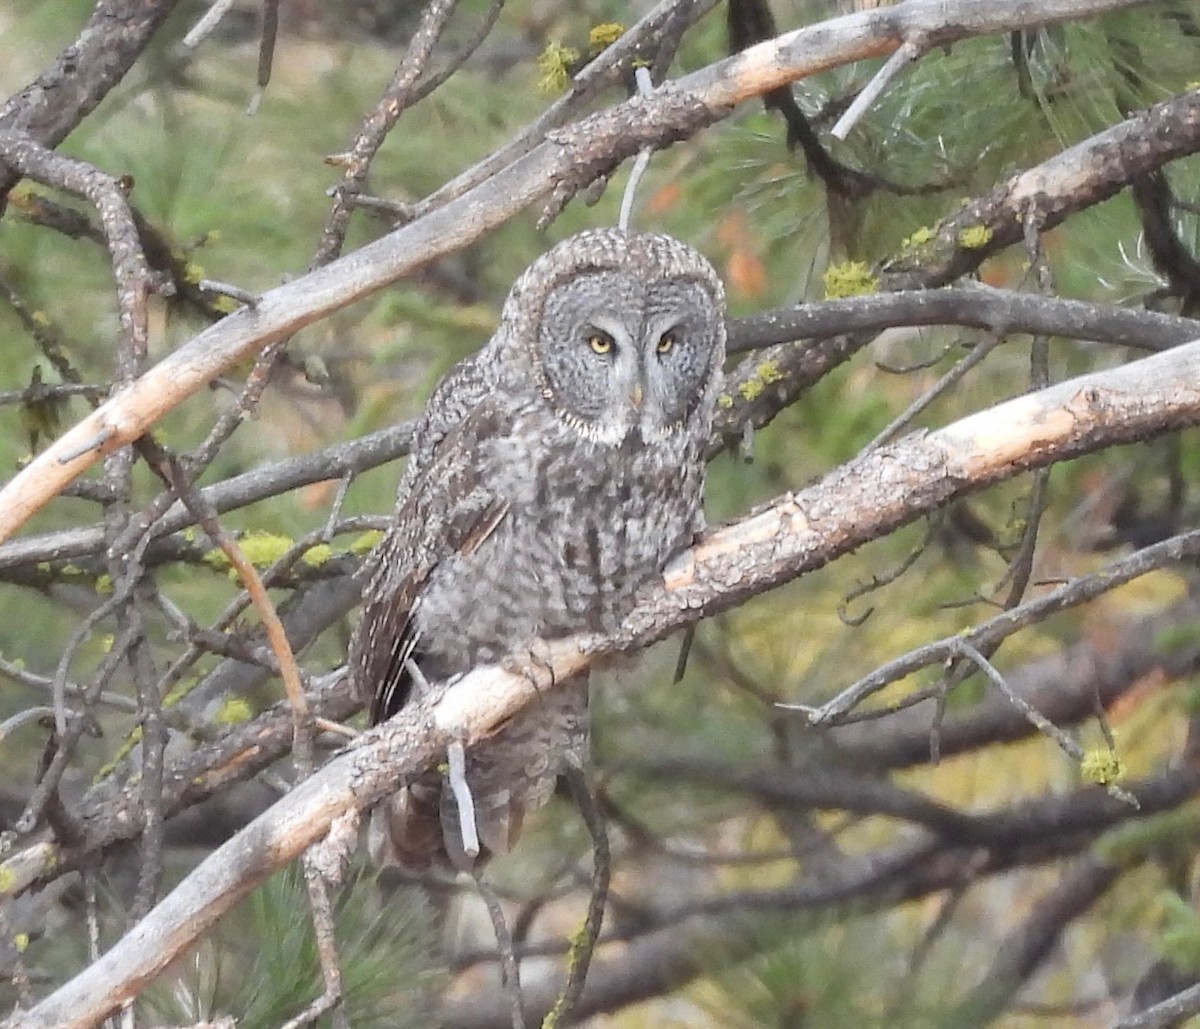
418, 828
406, 829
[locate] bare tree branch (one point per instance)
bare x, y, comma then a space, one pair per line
60, 98
1002, 311
575, 156
792, 535
134, 282
664, 949
1026, 948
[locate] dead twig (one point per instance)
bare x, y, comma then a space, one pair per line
583, 946
134, 280
510, 970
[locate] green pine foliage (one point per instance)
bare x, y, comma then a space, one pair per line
262, 967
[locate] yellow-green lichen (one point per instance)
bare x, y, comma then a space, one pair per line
763, 376
604, 35
975, 237
579, 943
263, 549
555, 64
8, 879
318, 555
234, 711
1179, 935
918, 239
181, 691
365, 542
1102, 767
216, 558
21, 942
849, 279
40, 319
725, 401
104, 585
768, 372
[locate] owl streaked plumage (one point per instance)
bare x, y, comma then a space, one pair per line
551, 476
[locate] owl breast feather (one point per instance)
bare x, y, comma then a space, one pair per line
587, 525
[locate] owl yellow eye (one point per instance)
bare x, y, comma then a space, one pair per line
600, 342
666, 342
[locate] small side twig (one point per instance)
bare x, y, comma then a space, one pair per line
86, 446
324, 929
645, 88
583, 946
457, 777
987, 633
1165, 1013
397, 98
311, 1013
908, 51
227, 289
154, 741
1035, 718
335, 509
885, 578
204, 27
130, 268
302, 728
429, 84
510, 972
947, 382
168, 469
266, 47
68, 730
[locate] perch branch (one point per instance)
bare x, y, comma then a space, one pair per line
774, 544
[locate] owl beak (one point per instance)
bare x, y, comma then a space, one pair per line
635, 397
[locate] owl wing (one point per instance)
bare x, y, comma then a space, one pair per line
447, 506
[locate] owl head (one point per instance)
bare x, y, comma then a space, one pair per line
624, 332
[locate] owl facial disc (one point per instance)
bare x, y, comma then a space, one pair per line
619, 352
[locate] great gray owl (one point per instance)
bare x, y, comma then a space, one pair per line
551, 475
